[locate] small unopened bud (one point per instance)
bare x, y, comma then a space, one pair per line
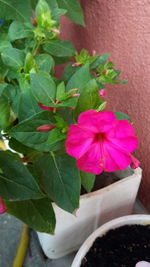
75, 95
104, 71
135, 163
76, 64
3, 208
45, 128
56, 31
102, 93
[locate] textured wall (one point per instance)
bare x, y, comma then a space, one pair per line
122, 28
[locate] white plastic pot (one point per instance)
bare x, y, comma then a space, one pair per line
131, 219
96, 208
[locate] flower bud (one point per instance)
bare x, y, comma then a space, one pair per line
45, 128
76, 64
102, 93
135, 163
3, 208
75, 95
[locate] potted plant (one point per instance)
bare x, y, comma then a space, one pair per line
124, 241
58, 130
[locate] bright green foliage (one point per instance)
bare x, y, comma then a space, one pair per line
59, 48
38, 214
16, 182
73, 10
15, 9
89, 98
84, 58
65, 188
37, 108
87, 180
43, 87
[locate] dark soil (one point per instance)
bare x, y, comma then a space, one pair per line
121, 247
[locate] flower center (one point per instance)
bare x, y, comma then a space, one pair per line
100, 137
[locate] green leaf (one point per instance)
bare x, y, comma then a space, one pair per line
68, 72
101, 60
19, 30
27, 106
13, 58
60, 179
87, 180
45, 62
60, 95
89, 98
79, 79
20, 148
16, 182
122, 116
38, 214
2, 87
59, 48
74, 10
26, 133
5, 113
55, 136
4, 45
15, 9
43, 87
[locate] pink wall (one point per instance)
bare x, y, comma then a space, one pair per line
122, 28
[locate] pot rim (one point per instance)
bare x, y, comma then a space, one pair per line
124, 220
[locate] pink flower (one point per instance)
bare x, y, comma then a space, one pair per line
142, 264
102, 93
3, 208
100, 142
45, 128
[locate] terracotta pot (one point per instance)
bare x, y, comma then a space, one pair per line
131, 219
96, 208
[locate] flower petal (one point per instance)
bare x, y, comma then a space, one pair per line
101, 121
129, 143
122, 128
90, 161
115, 158
78, 141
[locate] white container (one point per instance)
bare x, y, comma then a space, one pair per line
96, 208
131, 219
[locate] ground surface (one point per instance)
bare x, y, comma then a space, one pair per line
10, 229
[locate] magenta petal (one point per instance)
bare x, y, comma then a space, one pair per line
3, 208
115, 158
127, 143
122, 129
101, 121
78, 141
90, 161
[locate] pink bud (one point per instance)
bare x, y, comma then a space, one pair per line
76, 64
104, 71
45, 128
142, 264
135, 163
56, 31
3, 208
102, 93
74, 95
